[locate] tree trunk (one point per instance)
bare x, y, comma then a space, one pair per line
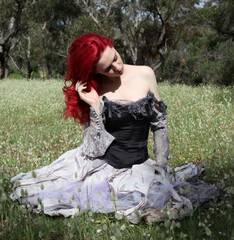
4, 55
29, 66
29, 69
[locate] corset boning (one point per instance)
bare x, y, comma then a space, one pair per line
130, 144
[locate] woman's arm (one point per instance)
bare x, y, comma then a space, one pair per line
96, 138
159, 124
160, 132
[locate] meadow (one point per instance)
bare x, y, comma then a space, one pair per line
33, 133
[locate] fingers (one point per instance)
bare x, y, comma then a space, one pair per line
80, 86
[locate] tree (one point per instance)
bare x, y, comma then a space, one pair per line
219, 15
203, 54
178, 38
144, 30
55, 26
45, 39
11, 24
129, 17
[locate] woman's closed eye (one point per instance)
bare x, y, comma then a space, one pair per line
108, 69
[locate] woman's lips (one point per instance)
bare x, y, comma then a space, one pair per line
121, 71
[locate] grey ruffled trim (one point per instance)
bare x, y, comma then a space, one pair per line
158, 118
144, 107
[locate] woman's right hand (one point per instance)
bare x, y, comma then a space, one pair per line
90, 97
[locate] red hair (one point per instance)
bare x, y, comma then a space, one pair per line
84, 54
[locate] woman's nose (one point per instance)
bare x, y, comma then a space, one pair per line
115, 66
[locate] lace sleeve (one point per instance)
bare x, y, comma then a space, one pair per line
158, 125
96, 138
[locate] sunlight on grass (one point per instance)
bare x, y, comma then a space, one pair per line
33, 133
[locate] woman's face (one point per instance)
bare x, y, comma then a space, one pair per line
110, 64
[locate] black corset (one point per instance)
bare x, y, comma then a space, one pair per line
129, 124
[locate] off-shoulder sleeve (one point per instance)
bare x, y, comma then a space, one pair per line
96, 138
158, 125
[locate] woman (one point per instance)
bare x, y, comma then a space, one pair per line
111, 171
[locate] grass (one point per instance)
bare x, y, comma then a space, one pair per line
33, 133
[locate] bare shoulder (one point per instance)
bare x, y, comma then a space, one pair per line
143, 70
147, 71
148, 76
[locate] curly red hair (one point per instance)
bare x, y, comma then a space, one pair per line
84, 53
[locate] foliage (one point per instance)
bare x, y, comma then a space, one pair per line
33, 134
219, 15
205, 52
184, 42
15, 74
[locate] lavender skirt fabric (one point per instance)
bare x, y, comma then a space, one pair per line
73, 184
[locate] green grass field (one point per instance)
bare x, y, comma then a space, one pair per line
33, 133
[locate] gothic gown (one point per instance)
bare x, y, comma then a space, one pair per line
112, 172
